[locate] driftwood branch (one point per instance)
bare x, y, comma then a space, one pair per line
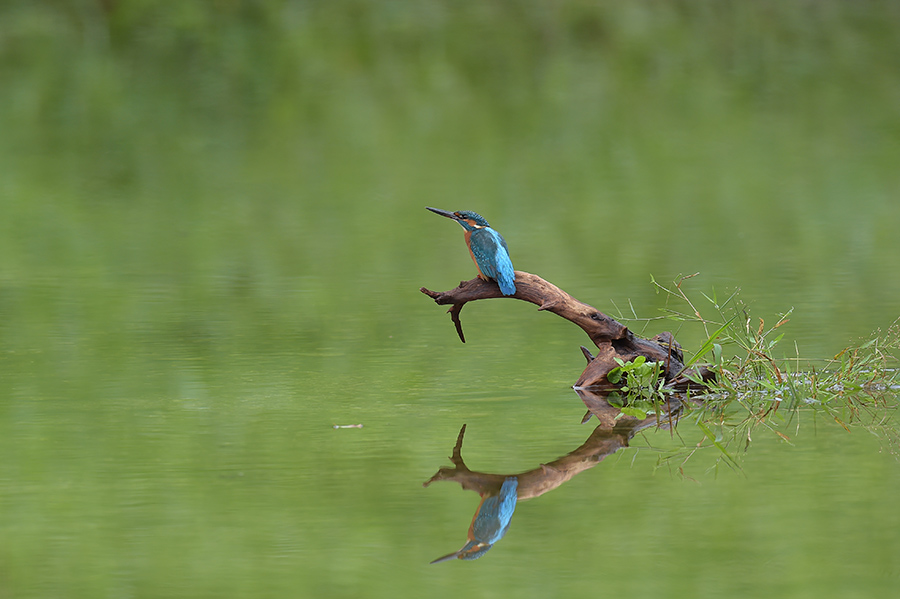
612, 338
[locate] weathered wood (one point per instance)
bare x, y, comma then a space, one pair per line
612, 338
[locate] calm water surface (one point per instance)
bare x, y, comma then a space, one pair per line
213, 233
199, 468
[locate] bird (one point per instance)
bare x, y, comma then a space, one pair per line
487, 248
490, 523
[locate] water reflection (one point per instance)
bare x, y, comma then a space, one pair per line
499, 492
490, 523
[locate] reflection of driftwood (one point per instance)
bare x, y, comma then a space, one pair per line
610, 436
613, 339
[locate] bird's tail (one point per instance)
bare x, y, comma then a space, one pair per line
507, 284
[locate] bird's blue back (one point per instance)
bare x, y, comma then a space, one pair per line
492, 256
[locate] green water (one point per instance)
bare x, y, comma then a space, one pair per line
212, 236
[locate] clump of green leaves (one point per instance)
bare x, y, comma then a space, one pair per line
642, 387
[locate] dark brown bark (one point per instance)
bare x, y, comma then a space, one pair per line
613, 339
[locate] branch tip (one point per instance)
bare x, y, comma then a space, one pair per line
454, 311
587, 354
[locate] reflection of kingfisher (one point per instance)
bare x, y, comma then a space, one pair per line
490, 523
487, 247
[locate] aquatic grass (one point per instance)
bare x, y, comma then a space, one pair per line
756, 389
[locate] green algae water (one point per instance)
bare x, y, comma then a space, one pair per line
212, 238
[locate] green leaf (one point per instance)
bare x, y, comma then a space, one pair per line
775, 341
718, 443
708, 344
614, 375
615, 399
634, 412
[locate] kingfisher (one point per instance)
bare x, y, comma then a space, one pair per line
487, 248
490, 523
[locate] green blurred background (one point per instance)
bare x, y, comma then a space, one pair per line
212, 235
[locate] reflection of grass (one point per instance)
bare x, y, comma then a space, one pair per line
757, 389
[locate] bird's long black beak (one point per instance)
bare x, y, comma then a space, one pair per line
449, 556
443, 213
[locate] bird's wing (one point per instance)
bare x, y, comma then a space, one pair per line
493, 517
492, 255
